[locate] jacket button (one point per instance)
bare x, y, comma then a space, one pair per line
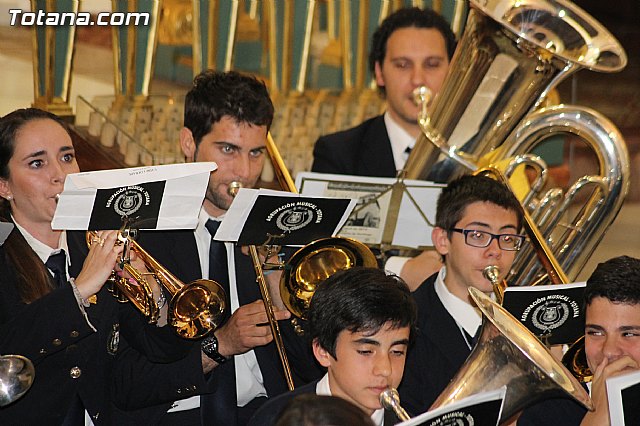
74, 334
75, 372
57, 342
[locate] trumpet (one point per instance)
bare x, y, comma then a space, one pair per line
195, 309
16, 377
575, 360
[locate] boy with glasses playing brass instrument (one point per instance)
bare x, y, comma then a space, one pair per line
477, 225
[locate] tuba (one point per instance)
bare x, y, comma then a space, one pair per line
507, 354
16, 376
511, 54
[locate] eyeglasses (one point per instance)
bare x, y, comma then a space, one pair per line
475, 238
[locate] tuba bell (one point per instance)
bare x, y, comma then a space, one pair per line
510, 56
16, 376
507, 354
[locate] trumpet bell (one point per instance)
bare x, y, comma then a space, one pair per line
575, 359
16, 376
197, 308
507, 354
314, 263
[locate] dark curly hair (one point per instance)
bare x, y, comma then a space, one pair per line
617, 279
217, 94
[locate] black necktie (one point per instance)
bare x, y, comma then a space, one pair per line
218, 270
57, 263
220, 407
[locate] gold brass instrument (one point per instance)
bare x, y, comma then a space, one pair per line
511, 54
507, 354
575, 359
195, 309
314, 263
16, 376
307, 267
390, 400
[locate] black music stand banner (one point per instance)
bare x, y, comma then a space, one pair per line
554, 313
263, 216
155, 197
482, 409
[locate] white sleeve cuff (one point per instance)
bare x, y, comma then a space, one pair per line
395, 264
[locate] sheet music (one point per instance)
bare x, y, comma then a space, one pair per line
367, 223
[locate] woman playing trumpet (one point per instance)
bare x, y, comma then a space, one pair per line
54, 308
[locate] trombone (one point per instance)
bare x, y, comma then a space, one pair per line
195, 309
307, 267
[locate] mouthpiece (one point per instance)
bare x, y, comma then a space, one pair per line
57, 197
421, 95
491, 273
390, 400
234, 187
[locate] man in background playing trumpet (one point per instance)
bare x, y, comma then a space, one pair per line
477, 225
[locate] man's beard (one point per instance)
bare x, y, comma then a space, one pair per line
221, 201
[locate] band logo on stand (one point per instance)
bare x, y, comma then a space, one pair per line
112, 204
296, 221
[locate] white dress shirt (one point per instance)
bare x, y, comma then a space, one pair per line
465, 315
249, 380
323, 388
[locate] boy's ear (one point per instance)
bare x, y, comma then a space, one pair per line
321, 354
187, 144
440, 239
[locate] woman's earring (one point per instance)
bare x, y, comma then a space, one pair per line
9, 197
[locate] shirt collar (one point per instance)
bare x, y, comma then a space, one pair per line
467, 316
323, 388
42, 250
400, 140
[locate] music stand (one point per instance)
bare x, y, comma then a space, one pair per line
155, 197
553, 313
394, 198
263, 217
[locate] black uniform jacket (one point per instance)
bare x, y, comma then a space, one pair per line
364, 150
438, 352
71, 359
177, 251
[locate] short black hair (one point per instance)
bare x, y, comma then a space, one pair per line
413, 17
359, 299
216, 94
309, 409
617, 279
468, 189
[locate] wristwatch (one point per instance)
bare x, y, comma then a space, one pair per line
209, 346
